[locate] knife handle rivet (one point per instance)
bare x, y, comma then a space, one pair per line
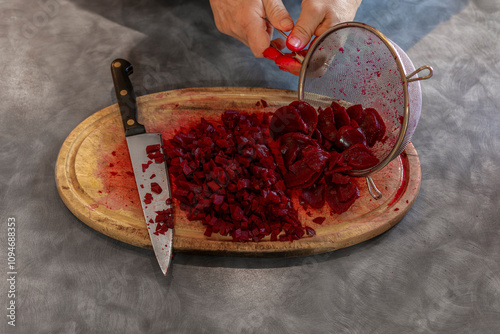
130, 122
117, 64
123, 92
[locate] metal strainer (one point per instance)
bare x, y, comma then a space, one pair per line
357, 64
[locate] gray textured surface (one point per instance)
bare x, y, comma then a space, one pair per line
437, 271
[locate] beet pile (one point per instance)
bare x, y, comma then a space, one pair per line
227, 176
319, 147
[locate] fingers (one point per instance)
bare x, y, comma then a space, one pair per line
310, 18
278, 15
317, 16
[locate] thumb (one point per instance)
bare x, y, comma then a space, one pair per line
310, 18
278, 15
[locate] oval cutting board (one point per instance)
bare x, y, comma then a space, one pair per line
95, 180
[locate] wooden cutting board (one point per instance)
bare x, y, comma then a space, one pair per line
95, 180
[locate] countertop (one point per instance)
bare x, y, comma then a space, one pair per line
436, 271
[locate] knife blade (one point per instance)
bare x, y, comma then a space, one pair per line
150, 169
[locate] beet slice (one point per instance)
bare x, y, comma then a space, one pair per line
315, 158
314, 196
356, 113
326, 124
340, 115
332, 197
359, 157
286, 119
373, 126
308, 114
299, 174
292, 144
348, 136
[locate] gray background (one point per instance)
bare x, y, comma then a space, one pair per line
437, 271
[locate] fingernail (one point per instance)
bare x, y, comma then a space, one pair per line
294, 43
286, 23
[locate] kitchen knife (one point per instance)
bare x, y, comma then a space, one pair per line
150, 170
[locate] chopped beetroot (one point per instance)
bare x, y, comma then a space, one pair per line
152, 176
153, 148
168, 201
235, 186
156, 188
319, 220
146, 165
310, 231
264, 103
148, 198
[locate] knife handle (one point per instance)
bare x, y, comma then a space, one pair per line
120, 70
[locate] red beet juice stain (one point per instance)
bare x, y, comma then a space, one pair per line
114, 170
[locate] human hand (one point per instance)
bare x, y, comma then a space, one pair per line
246, 21
316, 17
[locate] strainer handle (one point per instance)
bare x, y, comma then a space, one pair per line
372, 188
418, 70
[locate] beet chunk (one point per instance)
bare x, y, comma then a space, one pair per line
326, 124
308, 114
373, 126
286, 119
314, 196
348, 136
359, 157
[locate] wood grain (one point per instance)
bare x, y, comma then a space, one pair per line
95, 183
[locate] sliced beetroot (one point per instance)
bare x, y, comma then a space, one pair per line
308, 114
356, 113
373, 126
348, 136
292, 144
286, 119
337, 178
299, 175
332, 198
346, 192
340, 115
314, 196
326, 124
315, 158
359, 157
